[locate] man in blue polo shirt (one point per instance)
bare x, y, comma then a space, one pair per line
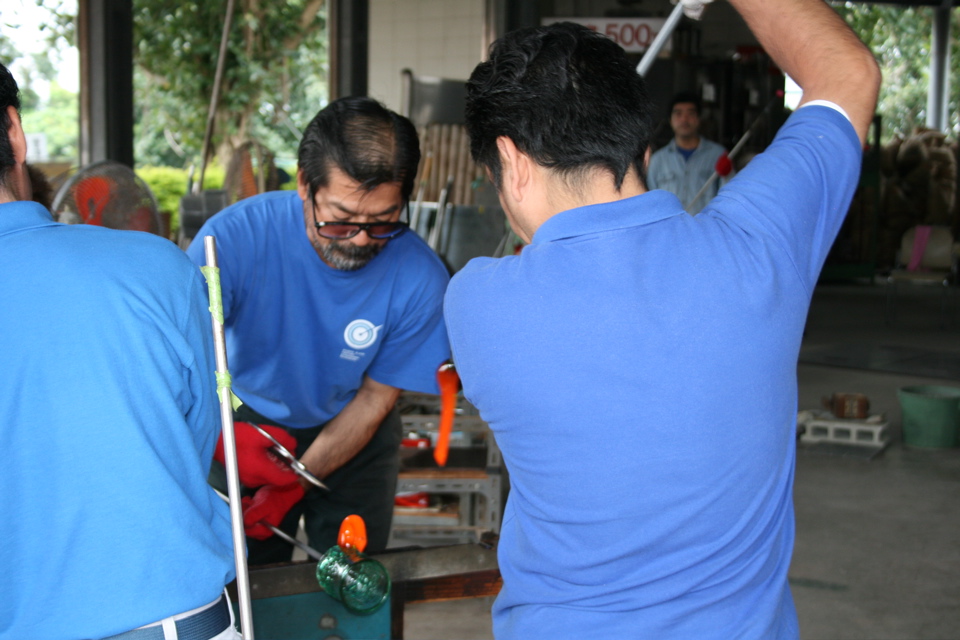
684, 166
637, 364
109, 408
331, 308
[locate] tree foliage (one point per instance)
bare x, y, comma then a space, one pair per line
274, 77
169, 185
46, 106
900, 38
56, 116
7, 50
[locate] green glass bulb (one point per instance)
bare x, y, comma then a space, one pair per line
362, 584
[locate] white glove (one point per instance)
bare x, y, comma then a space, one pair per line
693, 8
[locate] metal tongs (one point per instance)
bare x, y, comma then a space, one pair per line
310, 551
291, 459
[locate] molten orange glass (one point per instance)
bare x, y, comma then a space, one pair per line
353, 534
449, 383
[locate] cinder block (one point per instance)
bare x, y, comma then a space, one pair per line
871, 432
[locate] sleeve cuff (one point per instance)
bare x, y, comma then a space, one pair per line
828, 104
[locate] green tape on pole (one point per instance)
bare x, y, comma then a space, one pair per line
212, 275
224, 381
223, 384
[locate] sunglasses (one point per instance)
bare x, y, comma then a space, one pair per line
347, 230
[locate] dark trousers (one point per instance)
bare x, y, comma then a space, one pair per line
366, 485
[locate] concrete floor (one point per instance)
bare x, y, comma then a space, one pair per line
877, 552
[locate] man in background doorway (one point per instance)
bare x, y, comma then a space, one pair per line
687, 162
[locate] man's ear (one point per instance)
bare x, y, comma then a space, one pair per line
515, 174
18, 141
646, 160
302, 189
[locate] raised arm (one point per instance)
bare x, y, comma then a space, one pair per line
815, 47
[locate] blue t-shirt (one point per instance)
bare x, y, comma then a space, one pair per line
109, 406
638, 368
300, 334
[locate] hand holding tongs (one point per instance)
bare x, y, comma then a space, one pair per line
290, 459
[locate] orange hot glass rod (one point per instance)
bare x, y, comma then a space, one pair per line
449, 383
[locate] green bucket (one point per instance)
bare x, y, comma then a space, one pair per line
931, 416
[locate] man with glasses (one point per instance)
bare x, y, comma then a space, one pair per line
331, 307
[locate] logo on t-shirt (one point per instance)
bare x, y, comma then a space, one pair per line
360, 334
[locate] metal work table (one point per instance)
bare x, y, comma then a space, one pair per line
288, 602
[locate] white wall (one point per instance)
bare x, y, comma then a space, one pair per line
430, 37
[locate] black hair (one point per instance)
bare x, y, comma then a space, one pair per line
365, 140
9, 97
685, 97
568, 97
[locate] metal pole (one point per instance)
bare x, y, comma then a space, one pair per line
651, 54
939, 89
212, 274
739, 145
417, 206
715, 175
215, 98
440, 220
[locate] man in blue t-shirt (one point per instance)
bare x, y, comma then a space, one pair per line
687, 163
109, 406
637, 364
331, 307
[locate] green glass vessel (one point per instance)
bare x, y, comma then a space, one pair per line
362, 584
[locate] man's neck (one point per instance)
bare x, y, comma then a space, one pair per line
14, 184
689, 142
6, 196
599, 188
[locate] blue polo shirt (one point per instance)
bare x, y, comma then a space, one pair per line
109, 406
302, 335
638, 368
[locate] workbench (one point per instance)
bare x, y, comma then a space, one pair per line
288, 603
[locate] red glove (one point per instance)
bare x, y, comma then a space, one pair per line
269, 504
258, 465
